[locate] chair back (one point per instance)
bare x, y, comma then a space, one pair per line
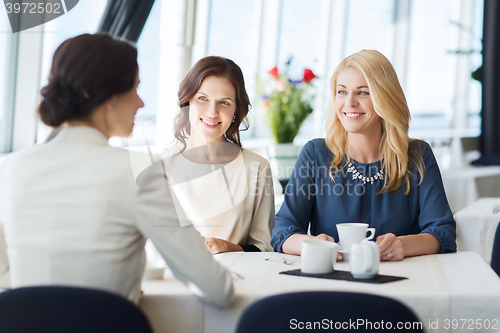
328, 310
57, 309
495, 254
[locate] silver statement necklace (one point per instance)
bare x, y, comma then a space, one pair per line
357, 175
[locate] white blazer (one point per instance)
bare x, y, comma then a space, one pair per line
72, 214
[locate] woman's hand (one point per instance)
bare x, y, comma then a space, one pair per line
391, 247
325, 237
328, 238
293, 245
218, 245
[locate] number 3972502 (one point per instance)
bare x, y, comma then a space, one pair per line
471, 324
33, 8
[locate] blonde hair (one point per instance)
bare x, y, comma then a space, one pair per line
390, 104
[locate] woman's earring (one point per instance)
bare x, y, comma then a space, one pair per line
234, 118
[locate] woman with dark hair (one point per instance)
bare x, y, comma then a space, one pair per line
71, 210
218, 70
224, 190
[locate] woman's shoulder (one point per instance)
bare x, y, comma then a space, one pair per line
317, 148
15, 161
250, 156
421, 149
420, 145
316, 143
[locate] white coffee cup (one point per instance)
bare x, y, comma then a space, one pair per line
318, 256
364, 259
350, 233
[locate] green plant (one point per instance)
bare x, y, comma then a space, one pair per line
287, 103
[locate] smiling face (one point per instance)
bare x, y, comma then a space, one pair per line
211, 110
354, 106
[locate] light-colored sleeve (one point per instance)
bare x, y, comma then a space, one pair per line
4, 261
182, 248
262, 224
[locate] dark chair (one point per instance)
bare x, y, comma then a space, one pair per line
328, 310
495, 254
57, 309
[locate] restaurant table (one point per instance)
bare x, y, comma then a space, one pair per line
439, 289
476, 226
465, 185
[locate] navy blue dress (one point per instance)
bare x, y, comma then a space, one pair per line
313, 199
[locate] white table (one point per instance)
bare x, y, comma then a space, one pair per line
438, 288
465, 185
476, 226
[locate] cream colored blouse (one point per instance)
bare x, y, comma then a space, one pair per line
233, 201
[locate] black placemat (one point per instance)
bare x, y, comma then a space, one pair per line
343, 275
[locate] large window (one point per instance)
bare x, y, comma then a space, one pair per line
8, 54
370, 25
300, 33
431, 64
231, 31
444, 51
300, 41
149, 61
434, 51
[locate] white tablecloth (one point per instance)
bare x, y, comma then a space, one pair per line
476, 226
438, 288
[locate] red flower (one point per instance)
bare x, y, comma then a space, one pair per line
308, 75
274, 72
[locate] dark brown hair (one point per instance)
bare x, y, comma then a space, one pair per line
86, 71
205, 67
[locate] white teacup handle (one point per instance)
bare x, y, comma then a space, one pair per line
372, 233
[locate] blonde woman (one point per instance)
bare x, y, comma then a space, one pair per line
368, 170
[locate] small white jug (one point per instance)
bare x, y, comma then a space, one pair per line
364, 259
318, 256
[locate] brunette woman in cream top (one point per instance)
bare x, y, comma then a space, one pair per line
71, 211
224, 190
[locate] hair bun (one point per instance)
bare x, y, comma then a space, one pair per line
59, 91
61, 102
